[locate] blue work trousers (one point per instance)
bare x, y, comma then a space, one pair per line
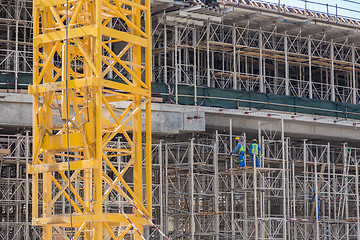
241, 160
256, 160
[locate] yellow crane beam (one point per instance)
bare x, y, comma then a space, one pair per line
87, 55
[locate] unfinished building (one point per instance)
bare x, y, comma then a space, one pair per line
286, 76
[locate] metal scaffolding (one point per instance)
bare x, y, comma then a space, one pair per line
303, 189
15, 185
265, 56
191, 187
15, 40
208, 197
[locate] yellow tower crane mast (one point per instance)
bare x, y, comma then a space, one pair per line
91, 83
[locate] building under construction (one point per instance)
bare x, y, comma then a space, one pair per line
288, 77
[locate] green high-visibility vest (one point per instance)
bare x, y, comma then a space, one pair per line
255, 149
242, 149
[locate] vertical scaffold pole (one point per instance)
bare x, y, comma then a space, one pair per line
283, 177
354, 89
232, 184
27, 189
310, 69
161, 186
332, 72
216, 185
261, 73
357, 195
287, 81
192, 197
255, 188
234, 56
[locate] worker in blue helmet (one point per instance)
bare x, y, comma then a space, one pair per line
241, 150
254, 152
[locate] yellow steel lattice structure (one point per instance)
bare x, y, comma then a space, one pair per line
89, 54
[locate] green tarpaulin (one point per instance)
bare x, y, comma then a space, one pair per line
232, 99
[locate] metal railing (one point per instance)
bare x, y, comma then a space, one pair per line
332, 11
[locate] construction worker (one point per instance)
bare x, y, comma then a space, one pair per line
316, 213
241, 148
254, 152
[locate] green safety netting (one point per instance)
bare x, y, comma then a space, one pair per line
232, 99
7, 81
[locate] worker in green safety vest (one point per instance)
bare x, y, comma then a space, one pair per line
254, 152
316, 213
241, 148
